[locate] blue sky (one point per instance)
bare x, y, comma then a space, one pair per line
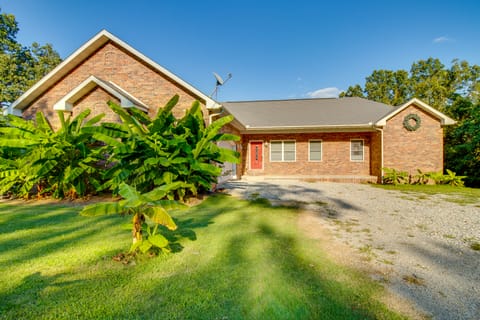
274, 49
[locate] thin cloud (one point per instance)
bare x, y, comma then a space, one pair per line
330, 92
442, 39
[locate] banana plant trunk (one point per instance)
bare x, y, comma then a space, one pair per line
138, 220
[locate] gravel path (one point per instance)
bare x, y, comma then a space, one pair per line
421, 243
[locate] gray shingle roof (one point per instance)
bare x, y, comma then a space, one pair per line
307, 112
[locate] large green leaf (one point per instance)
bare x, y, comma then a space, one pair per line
160, 215
158, 241
46, 167
162, 191
42, 123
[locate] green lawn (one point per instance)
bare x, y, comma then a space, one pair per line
235, 260
461, 195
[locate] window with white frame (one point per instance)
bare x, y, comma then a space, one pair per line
315, 150
356, 150
282, 151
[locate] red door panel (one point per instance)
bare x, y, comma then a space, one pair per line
256, 155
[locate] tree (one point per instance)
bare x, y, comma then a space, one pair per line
390, 87
21, 66
463, 141
353, 91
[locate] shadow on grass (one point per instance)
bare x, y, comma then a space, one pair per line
248, 264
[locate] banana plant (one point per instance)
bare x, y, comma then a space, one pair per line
62, 163
149, 152
149, 211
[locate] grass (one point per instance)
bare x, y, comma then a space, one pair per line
235, 260
460, 195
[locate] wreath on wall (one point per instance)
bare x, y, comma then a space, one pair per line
407, 122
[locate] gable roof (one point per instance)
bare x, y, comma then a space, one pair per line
126, 99
84, 52
349, 112
445, 120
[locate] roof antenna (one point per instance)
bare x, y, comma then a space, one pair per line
220, 82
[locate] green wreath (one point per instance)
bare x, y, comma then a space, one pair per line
408, 125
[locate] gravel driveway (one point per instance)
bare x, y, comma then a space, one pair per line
420, 242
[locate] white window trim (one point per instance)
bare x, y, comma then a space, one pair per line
250, 154
363, 150
283, 150
321, 150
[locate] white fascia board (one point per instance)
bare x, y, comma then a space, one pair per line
66, 103
445, 120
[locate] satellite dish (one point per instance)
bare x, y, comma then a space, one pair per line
219, 79
219, 82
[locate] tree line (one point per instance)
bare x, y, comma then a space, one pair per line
21, 66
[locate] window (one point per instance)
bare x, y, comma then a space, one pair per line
315, 150
282, 151
356, 150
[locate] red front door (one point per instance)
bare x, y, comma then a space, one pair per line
256, 155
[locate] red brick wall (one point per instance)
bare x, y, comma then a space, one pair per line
112, 63
411, 150
376, 155
335, 155
95, 101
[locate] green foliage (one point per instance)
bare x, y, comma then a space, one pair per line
392, 176
428, 80
35, 159
452, 179
150, 152
20, 66
149, 210
395, 177
463, 141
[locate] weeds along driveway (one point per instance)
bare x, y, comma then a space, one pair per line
419, 245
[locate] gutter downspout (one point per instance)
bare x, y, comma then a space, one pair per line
210, 116
381, 150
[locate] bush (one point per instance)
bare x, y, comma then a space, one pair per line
393, 176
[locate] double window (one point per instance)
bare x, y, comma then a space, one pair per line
356, 150
282, 151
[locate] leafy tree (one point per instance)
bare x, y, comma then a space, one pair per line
463, 141
21, 66
353, 91
428, 80
432, 83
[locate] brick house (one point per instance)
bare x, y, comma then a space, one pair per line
347, 139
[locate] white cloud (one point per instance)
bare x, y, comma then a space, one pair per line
331, 92
442, 39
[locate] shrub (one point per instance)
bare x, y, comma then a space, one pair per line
392, 176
